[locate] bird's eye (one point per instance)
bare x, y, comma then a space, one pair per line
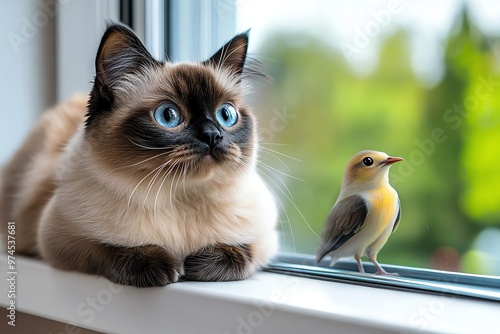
367, 161
226, 115
167, 115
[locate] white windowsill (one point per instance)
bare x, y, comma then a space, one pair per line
265, 303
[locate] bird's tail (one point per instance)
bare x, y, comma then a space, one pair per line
321, 253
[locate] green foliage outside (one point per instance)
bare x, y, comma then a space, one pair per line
316, 110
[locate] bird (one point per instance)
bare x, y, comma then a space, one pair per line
366, 213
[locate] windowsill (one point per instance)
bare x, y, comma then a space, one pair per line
437, 282
265, 303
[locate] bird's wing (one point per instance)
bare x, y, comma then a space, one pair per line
398, 217
345, 220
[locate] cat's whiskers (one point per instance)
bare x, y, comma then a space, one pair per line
290, 199
296, 208
162, 173
187, 164
273, 143
142, 161
181, 180
265, 168
163, 179
286, 215
185, 168
142, 180
275, 154
151, 184
280, 172
283, 209
275, 173
276, 176
151, 148
173, 178
173, 184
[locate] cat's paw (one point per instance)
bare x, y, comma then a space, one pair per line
146, 266
219, 263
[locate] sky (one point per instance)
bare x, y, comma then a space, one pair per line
356, 28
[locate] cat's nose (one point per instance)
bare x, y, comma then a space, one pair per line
210, 137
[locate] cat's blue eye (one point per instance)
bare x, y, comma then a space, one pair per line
167, 115
226, 115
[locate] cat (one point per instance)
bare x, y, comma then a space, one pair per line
151, 178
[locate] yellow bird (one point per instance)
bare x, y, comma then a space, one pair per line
366, 212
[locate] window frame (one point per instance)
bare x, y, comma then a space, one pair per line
422, 280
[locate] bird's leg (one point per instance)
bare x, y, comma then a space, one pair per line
380, 270
360, 264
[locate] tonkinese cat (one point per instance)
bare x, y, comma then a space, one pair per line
149, 180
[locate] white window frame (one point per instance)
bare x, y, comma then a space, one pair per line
198, 28
80, 25
28, 69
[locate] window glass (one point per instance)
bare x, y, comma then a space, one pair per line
414, 79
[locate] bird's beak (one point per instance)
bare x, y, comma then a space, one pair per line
391, 160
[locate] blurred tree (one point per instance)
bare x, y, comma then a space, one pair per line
478, 60
443, 112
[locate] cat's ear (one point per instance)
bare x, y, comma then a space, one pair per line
120, 53
232, 55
